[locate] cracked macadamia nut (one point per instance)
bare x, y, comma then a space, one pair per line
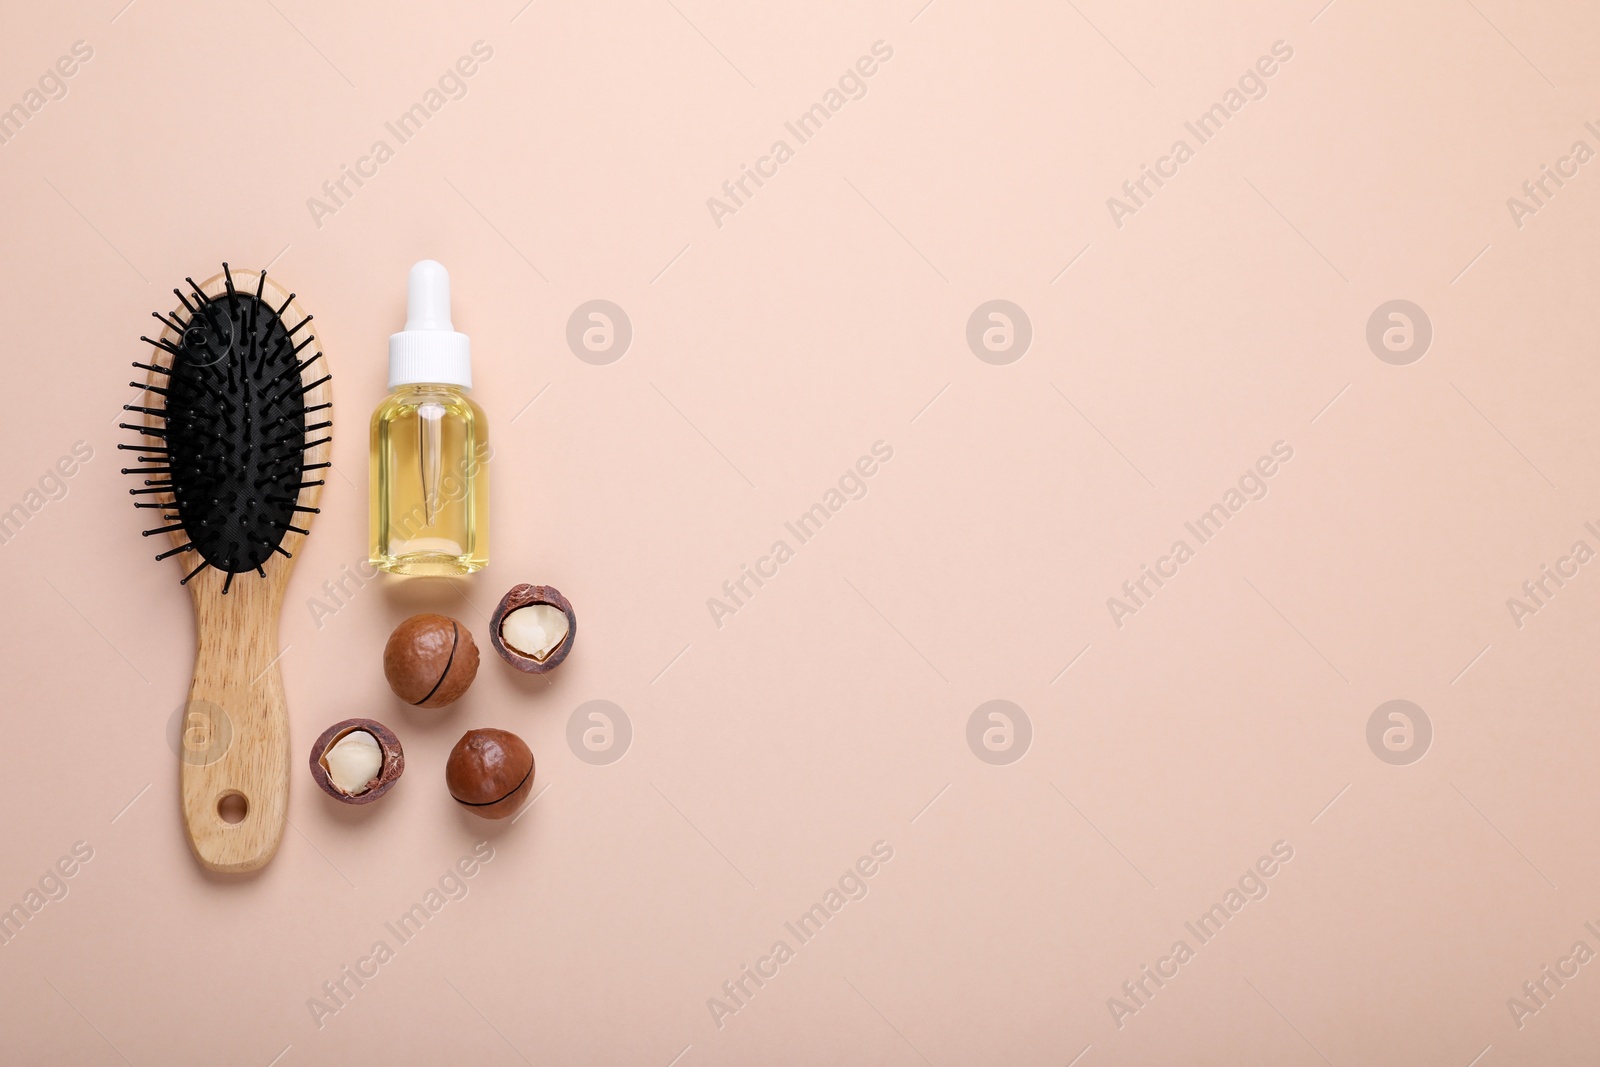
430, 660
533, 628
357, 760
490, 772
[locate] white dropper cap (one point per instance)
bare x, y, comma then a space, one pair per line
429, 349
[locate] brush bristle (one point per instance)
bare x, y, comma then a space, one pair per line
229, 433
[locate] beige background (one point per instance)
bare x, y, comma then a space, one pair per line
829, 713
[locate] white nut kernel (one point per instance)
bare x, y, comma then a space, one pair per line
535, 631
353, 761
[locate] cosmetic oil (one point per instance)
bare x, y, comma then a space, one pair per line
430, 444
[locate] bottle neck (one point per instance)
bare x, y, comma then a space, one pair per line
430, 387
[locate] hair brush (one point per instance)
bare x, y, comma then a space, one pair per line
234, 432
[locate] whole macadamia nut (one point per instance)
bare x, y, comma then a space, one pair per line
430, 660
490, 772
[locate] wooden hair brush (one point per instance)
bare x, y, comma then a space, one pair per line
234, 432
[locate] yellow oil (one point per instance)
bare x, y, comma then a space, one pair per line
430, 482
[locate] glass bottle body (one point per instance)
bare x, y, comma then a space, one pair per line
429, 482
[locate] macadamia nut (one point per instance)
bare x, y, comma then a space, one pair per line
533, 628
430, 660
489, 773
357, 761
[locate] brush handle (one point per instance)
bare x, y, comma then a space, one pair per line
235, 739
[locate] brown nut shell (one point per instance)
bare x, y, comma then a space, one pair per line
394, 760
430, 660
522, 596
490, 772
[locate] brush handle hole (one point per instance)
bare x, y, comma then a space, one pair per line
232, 807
